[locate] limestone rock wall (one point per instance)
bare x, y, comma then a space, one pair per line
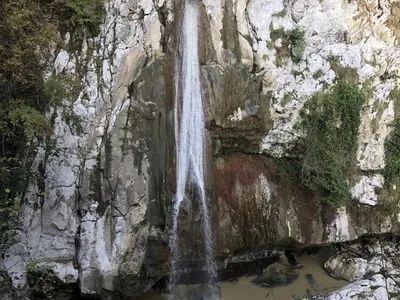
104, 186
362, 37
98, 212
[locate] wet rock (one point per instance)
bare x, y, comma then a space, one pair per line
276, 274
293, 262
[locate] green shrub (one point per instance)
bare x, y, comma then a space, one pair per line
81, 14
318, 74
344, 75
392, 144
62, 87
293, 43
281, 14
330, 122
297, 43
29, 31
287, 98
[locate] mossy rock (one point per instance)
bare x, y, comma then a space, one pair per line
293, 44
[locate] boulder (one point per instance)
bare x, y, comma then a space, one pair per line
345, 267
275, 275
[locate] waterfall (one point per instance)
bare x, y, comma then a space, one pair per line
190, 137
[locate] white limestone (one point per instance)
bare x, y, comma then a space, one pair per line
377, 287
50, 229
61, 61
365, 189
214, 9
339, 229
66, 272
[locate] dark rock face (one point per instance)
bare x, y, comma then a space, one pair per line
258, 206
235, 89
45, 285
275, 275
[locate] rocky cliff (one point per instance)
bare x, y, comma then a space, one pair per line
301, 117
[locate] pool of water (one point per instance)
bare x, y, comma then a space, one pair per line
243, 289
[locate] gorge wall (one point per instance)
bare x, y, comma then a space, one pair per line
98, 211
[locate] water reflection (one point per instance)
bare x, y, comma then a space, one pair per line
312, 280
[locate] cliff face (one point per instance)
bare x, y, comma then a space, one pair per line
99, 212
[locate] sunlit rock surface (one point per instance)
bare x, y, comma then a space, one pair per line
377, 287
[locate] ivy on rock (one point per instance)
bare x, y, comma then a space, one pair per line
330, 122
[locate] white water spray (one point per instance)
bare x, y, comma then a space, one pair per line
190, 137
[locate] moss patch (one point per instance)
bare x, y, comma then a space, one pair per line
287, 98
62, 90
293, 44
318, 74
368, 89
281, 14
344, 75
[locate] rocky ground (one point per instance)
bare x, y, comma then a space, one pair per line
371, 267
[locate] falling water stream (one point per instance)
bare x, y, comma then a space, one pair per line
190, 138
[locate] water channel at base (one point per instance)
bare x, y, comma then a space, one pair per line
243, 289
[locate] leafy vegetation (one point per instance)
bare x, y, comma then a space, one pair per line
79, 15
392, 144
293, 43
344, 75
318, 74
287, 98
330, 122
281, 14
29, 31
